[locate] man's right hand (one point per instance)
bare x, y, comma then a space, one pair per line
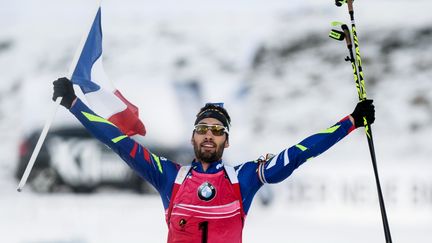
63, 87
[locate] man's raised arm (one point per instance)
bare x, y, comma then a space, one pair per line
282, 165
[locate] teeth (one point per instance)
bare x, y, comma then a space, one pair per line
208, 145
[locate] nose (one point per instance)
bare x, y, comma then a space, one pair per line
209, 134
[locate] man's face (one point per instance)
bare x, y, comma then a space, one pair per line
208, 147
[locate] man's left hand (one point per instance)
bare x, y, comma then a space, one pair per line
364, 108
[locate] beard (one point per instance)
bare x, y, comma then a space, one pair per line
206, 156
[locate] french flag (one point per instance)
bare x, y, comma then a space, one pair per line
100, 93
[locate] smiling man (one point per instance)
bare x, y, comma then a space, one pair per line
207, 200
210, 136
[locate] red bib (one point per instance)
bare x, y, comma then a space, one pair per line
205, 208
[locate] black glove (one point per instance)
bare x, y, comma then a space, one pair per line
63, 88
366, 109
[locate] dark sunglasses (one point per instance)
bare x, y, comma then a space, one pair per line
217, 130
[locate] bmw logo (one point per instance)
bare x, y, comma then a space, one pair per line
206, 191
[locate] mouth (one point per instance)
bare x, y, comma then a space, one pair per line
208, 145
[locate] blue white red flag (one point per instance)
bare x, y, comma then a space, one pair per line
101, 95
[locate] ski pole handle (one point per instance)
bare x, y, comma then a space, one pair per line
347, 36
38, 145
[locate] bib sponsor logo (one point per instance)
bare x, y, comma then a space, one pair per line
206, 191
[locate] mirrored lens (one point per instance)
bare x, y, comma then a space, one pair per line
200, 129
216, 130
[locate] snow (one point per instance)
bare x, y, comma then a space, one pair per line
149, 45
126, 217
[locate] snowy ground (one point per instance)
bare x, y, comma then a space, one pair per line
330, 199
324, 206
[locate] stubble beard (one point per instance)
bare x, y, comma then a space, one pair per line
208, 157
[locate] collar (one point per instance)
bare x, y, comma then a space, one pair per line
213, 168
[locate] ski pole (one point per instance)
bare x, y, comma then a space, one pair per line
360, 84
346, 35
360, 75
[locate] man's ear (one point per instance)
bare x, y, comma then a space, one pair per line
226, 143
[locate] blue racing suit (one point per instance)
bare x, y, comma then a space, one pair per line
161, 172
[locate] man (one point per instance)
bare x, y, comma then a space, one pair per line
208, 201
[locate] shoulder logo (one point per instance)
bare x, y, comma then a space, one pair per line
264, 158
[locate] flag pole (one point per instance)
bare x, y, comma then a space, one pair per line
55, 106
38, 145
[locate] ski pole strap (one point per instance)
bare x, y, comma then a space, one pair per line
337, 35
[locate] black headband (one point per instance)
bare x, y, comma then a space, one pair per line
213, 113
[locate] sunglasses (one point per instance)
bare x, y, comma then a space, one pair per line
217, 130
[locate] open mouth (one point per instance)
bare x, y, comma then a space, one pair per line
208, 145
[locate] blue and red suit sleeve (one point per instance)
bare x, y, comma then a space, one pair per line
158, 171
282, 165
252, 175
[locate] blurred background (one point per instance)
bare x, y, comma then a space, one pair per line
280, 77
